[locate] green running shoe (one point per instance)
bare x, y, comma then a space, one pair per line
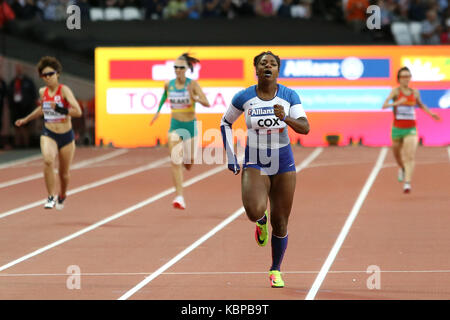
275, 279
261, 234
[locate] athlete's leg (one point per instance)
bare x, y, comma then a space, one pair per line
66, 154
176, 157
189, 152
409, 151
49, 150
397, 145
281, 197
255, 193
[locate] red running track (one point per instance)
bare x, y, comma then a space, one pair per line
117, 240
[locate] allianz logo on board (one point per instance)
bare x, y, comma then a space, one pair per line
350, 68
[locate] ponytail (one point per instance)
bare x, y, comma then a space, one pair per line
191, 61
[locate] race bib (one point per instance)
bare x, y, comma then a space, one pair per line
180, 100
51, 115
264, 120
405, 113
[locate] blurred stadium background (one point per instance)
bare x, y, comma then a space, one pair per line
122, 53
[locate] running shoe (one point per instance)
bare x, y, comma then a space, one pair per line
401, 174
179, 203
60, 203
407, 187
50, 202
261, 234
275, 279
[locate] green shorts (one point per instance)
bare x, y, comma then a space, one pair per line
399, 133
185, 129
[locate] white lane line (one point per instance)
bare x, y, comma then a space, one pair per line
76, 166
418, 163
90, 185
211, 273
113, 217
205, 237
19, 162
348, 223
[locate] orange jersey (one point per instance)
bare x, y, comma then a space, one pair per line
404, 114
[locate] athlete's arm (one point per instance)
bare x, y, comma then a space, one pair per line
161, 102
424, 107
296, 117
197, 94
300, 125
36, 113
230, 116
75, 109
392, 95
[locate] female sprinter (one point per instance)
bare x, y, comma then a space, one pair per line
58, 105
268, 170
404, 132
183, 93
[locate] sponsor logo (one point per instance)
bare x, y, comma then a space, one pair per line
343, 98
444, 101
146, 100
350, 68
163, 69
435, 98
424, 68
261, 111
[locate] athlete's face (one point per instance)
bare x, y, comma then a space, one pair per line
404, 78
49, 75
267, 68
180, 68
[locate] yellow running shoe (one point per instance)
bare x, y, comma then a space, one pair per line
261, 234
275, 279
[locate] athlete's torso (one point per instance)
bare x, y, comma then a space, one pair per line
404, 114
180, 99
265, 129
55, 121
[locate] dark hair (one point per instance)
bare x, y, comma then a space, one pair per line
259, 57
51, 62
400, 70
189, 60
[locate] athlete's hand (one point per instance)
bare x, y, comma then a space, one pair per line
154, 118
435, 116
20, 122
234, 166
279, 111
400, 101
194, 97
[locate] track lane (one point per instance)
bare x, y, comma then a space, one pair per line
406, 236
138, 242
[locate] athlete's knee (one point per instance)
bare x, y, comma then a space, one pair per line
408, 157
64, 175
255, 211
279, 224
49, 162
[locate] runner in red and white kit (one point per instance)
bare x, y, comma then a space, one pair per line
404, 131
58, 106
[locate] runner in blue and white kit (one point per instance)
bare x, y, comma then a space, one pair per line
269, 167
